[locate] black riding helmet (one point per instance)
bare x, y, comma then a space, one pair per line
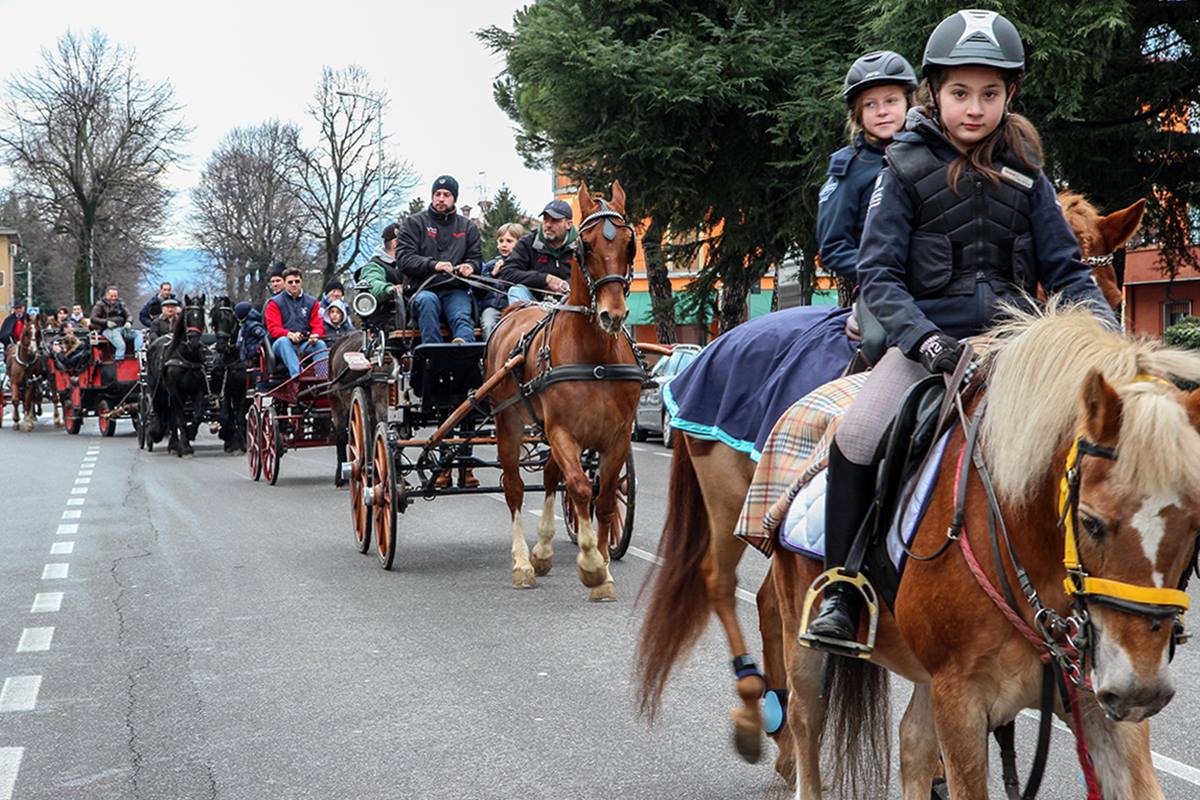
974, 37
874, 69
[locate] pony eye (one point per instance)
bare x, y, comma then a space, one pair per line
1092, 526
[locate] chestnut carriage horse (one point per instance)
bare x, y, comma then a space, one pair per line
26, 369
580, 382
709, 483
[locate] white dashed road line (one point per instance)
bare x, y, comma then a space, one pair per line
72, 513
74, 501
52, 572
62, 548
10, 765
46, 601
20, 693
35, 640
79, 490
67, 528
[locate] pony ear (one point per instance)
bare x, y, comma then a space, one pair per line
586, 204
1101, 409
618, 196
1118, 226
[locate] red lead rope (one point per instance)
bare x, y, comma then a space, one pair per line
1081, 748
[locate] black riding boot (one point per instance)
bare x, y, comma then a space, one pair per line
849, 490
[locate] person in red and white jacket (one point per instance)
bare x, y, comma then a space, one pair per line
294, 322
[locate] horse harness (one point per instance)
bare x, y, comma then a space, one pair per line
548, 374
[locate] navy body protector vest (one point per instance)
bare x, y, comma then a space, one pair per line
980, 233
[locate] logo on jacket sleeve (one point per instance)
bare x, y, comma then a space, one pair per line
877, 192
828, 188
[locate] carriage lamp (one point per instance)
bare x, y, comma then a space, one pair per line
362, 302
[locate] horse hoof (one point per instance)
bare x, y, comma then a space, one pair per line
604, 593
747, 739
592, 578
522, 578
541, 566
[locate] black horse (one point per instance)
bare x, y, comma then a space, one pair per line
227, 379
178, 379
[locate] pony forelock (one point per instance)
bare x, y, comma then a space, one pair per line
1035, 374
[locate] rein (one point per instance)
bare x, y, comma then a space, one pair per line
1064, 644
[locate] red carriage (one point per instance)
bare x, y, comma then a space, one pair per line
98, 384
286, 413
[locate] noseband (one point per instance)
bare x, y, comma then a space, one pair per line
609, 220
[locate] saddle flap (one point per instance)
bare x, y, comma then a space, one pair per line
908, 440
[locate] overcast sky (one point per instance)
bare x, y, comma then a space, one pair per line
240, 63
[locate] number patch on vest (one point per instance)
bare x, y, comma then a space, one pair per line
1012, 176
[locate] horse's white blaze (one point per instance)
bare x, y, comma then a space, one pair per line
1150, 525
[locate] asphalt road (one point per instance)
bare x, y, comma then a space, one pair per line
220, 638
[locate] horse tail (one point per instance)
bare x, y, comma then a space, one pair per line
678, 608
859, 696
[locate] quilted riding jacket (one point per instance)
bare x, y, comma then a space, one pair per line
931, 259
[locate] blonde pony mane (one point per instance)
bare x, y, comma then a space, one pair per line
1034, 379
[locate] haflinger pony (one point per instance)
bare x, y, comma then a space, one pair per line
26, 368
177, 376
1090, 469
709, 483
580, 382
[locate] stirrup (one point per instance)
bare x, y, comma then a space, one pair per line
838, 646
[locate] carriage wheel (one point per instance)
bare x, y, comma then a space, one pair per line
108, 425
254, 441
272, 448
72, 420
626, 501
358, 447
387, 495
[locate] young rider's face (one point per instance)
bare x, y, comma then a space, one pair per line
882, 110
972, 102
505, 244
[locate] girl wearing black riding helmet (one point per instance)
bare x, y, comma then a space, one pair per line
878, 90
961, 220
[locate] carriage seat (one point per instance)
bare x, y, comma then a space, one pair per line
443, 374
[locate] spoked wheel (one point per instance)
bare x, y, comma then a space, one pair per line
108, 425
389, 495
359, 453
254, 441
272, 447
72, 419
626, 501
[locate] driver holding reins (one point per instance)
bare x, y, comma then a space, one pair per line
541, 261
433, 247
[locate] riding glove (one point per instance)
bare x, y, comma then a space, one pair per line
938, 352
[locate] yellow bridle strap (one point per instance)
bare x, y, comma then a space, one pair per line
1070, 555
1145, 595
1078, 582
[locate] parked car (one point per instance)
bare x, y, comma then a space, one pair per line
652, 417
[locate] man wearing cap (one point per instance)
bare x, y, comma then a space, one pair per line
164, 323
14, 324
542, 259
432, 247
383, 278
153, 306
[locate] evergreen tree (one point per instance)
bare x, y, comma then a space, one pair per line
505, 208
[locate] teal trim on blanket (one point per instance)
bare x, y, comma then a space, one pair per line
710, 432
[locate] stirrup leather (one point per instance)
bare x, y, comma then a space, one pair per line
838, 646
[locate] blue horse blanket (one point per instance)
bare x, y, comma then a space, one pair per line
746, 379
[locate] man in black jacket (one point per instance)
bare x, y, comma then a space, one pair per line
153, 307
433, 247
542, 260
